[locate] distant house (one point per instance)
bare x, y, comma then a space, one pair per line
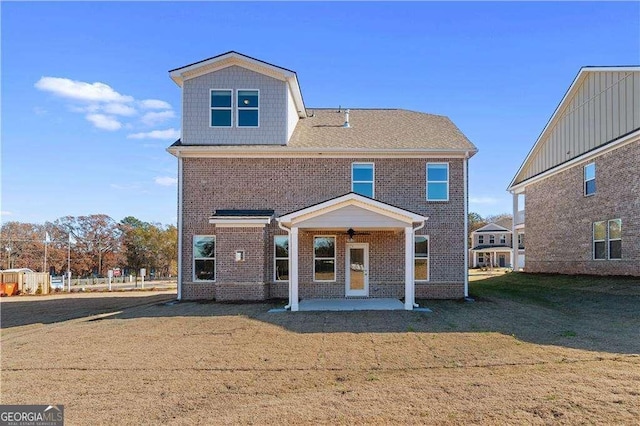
492, 245
277, 200
580, 183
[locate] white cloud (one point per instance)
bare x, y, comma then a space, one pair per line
153, 118
5, 213
80, 90
154, 104
156, 134
104, 122
119, 109
166, 181
483, 200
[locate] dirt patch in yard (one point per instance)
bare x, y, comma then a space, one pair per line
507, 358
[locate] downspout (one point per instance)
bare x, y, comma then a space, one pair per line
288, 231
466, 224
179, 226
417, 228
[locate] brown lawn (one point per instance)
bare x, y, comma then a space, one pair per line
531, 349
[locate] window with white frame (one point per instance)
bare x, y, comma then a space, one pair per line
615, 239
248, 108
324, 258
437, 181
492, 239
220, 104
599, 240
204, 258
590, 179
503, 239
480, 257
521, 241
281, 258
421, 258
363, 178
480, 239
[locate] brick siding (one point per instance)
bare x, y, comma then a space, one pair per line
560, 218
289, 184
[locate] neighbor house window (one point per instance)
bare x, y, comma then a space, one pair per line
503, 239
421, 258
362, 179
220, 104
615, 239
248, 108
480, 257
324, 258
204, 258
590, 179
437, 181
480, 239
492, 239
599, 240
281, 254
521, 241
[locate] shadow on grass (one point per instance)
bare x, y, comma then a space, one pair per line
590, 313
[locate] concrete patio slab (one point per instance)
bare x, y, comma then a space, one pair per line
351, 305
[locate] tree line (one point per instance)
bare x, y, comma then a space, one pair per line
92, 244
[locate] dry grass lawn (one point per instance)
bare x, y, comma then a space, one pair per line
531, 349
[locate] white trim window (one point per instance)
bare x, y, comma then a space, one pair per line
363, 179
248, 108
281, 258
480, 239
520, 241
480, 258
614, 246
492, 239
503, 239
421, 258
220, 103
204, 258
589, 179
599, 240
437, 181
324, 258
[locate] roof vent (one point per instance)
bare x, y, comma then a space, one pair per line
346, 119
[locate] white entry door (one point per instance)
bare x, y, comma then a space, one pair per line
357, 266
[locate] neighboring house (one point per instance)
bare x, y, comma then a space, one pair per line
277, 200
491, 245
581, 180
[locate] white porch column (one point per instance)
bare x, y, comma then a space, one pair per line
514, 235
409, 247
475, 261
293, 269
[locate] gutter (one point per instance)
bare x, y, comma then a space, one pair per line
466, 226
413, 290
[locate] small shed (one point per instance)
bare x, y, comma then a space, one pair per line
24, 281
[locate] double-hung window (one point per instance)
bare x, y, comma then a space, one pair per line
590, 179
492, 239
220, 104
362, 179
615, 239
503, 239
324, 259
599, 240
248, 108
480, 239
204, 258
437, 181
281, 261
421, 258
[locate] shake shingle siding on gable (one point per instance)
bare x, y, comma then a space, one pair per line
196, 109
294, 175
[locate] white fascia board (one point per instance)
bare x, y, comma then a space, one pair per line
568, 95
278, 151
632, 137
351, 200
294, 86
236, 222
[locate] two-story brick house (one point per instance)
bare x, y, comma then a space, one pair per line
279, 200
492, 245
580, 183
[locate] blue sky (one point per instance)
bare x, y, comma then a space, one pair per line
88, 108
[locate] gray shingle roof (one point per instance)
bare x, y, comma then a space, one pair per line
378, 129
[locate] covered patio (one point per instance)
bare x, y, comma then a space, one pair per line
351, 214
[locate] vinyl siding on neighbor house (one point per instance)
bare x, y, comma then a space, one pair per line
273, 105
604, 106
